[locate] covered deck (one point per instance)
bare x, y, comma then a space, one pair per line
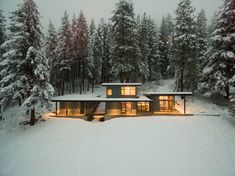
81, 105
165, 102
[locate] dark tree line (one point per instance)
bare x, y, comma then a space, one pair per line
128, 48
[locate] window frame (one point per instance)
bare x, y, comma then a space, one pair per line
127, 90
143, 106
109, 90
167, 102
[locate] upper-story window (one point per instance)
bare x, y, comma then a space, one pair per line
128, 90
109, 92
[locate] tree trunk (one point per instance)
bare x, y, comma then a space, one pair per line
19, 101
92, 86
32, 117
227, 91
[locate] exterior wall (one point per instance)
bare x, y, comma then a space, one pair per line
115, 108
154, 105
116, 92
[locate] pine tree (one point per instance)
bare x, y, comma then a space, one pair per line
125, 49
2, 31
93, 69
41, 91
104, 38
153, 56
81, 43
21, 68
2, 35
219, 71
51, 43
184, 48
142, 62
64, 50
92, 27
2, 40
202, 37
212, 24
165, 34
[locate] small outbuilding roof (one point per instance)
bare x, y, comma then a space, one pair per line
169, 93
121, 84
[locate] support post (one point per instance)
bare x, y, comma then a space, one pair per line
56, 108
184, 104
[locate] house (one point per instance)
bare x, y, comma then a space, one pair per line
121, 99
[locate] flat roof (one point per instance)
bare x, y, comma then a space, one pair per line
168, 93
70, 98
121, 84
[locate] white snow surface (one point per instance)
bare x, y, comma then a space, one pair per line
203, 145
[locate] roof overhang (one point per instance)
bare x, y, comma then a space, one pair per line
121, 84
99, 99
169, 93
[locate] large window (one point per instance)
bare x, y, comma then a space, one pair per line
143, 106
128, 90
166, 103
109, 92
126, 108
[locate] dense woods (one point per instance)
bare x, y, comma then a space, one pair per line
128, 47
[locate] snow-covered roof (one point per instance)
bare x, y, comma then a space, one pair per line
168, 93
98, 99
121, 84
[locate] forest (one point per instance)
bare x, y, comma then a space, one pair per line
199, 54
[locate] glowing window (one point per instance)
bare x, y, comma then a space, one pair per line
165, 97
166, 103
128, 90
109, 92
143, 106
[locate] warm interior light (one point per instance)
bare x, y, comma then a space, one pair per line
128, 90
109, 92
143, 106
166, 103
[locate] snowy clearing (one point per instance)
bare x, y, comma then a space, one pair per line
169, 146
203, 144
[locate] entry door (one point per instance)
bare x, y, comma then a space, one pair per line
126, 108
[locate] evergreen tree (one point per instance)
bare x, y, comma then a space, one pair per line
41, 91
202, 37
142, 62
92, 27
2, 40
82, 36
93, 68
64, 56
125, 50
212, 24
184, 48
103, 36
219, 71
166, 31
2, 31
153, 55
21, 70
51, 43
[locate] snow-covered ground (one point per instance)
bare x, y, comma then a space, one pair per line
203, 145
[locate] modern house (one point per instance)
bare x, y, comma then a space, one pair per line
121, 99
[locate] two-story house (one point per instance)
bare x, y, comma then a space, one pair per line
121, 99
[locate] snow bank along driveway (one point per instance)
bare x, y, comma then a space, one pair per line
156, 146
